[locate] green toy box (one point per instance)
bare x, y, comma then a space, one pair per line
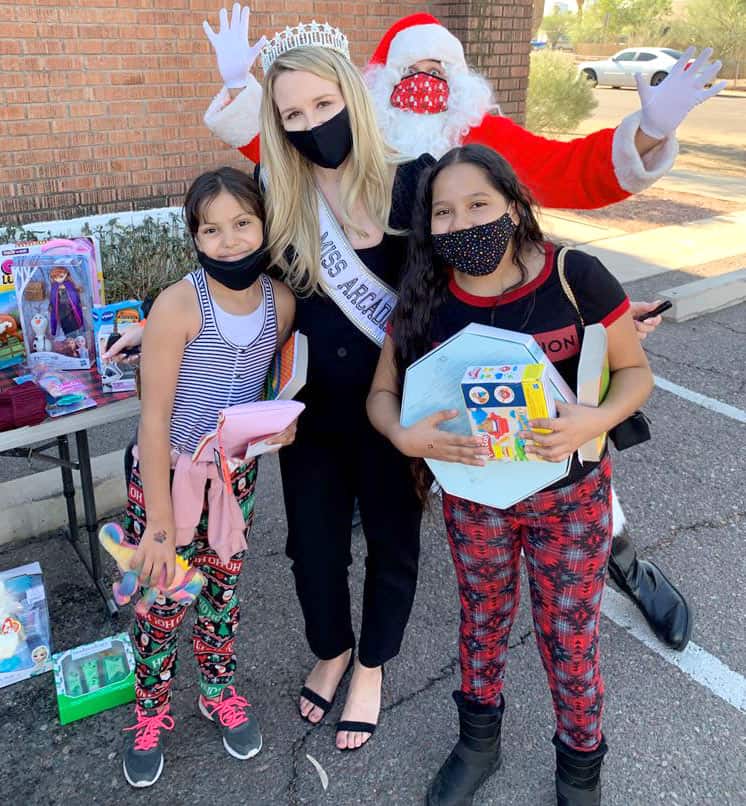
94, 677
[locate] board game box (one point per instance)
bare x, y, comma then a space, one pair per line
501, 400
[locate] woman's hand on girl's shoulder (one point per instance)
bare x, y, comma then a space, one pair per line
424, 440
574, 426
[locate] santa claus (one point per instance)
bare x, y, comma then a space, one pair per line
428, 100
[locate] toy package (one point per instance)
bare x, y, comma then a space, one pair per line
501, 400
65, 394
109, 323
94, 677
57, 283
12, 351
25, 642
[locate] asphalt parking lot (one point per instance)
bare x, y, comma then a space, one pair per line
675, 723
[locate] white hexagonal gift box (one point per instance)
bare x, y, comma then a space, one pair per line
433, 383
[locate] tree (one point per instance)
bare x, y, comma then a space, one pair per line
537, 17
558, 98
608, 20
721, 26
557, 25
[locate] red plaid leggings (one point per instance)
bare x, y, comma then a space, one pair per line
565, 535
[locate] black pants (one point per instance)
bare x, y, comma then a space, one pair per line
321, 478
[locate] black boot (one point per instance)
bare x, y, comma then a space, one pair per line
663, 606
474, 758
578, 775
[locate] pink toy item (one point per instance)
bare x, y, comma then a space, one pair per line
186, 585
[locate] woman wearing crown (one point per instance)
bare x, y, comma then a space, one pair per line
337, 202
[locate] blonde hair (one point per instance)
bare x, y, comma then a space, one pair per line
291, 202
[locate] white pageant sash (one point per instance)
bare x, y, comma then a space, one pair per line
361, 295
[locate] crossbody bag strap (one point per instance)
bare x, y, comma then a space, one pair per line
565, 285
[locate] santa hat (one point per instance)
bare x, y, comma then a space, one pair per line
417, 37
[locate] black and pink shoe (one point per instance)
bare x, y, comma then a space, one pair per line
143, 757
238, 724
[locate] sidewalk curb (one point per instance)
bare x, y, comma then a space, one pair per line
705, 296
34, 505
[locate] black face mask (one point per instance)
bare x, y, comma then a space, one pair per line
328, 144
478, 250
237, 275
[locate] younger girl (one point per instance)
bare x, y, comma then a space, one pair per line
476, 254
208, 344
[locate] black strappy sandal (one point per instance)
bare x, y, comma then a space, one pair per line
317, 700
360, 727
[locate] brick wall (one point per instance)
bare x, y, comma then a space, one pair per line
101, 101
496, 37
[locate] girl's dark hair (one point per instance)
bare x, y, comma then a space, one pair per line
425, 279
209, 185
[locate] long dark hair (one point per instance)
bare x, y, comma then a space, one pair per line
207, 186
425, 280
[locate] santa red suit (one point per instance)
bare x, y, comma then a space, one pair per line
423, 113
592, 171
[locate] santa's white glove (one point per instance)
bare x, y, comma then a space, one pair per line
231, 43
664, 107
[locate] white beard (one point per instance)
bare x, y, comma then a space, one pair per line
410, 133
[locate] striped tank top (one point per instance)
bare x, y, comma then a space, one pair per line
216, 373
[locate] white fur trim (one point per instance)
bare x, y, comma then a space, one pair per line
236, 123
411, 134
617, 515
633, 172
425, 42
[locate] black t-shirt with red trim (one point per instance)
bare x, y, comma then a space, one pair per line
542, 309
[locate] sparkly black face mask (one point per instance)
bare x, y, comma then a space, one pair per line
477, 250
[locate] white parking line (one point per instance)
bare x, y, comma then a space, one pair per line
701, 400
695, 662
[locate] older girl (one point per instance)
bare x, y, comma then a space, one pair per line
477, 255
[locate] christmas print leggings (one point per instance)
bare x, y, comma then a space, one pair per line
565, 535
155, 636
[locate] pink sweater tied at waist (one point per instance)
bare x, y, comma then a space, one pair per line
226, 529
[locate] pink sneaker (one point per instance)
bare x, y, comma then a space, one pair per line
143, 757
239, 727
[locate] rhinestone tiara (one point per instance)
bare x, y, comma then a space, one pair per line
313, 33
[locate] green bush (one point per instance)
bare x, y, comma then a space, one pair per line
138, 261
558, 98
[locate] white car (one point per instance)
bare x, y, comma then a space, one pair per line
619, 71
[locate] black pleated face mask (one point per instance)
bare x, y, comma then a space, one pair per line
237, 275
477, 250
328, 144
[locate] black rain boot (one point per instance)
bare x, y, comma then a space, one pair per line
578, 774
665, 609
474, 758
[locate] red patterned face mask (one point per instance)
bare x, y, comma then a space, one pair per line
422, 93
